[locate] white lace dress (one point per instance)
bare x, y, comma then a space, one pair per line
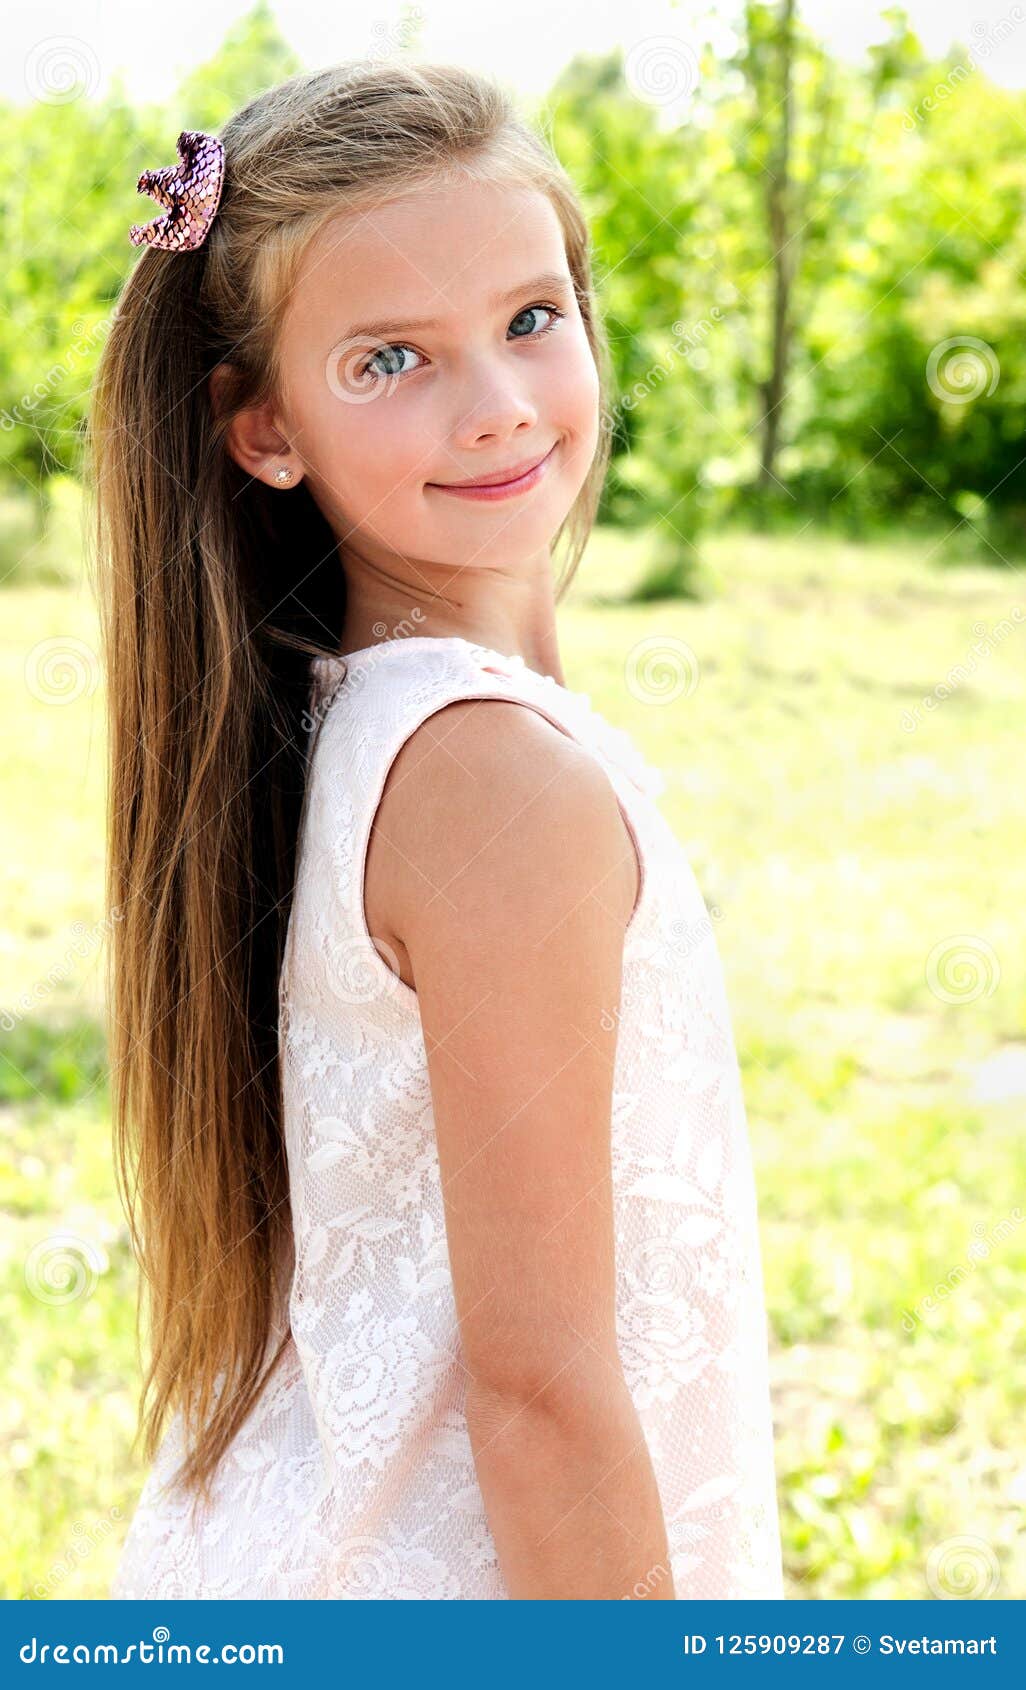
354, 1477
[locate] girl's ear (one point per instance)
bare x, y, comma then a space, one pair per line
218, 388
251, 437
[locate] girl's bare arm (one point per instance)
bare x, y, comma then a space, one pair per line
508, 874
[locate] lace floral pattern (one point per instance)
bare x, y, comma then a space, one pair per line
354, 1477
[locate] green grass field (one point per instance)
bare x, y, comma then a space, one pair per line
864, 848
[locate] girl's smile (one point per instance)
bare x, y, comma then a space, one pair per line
491, 488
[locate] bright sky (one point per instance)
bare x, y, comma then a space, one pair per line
525, 45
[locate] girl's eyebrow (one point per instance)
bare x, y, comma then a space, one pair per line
548, 281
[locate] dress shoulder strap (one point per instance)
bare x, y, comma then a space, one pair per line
362, 711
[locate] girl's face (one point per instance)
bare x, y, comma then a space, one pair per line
434, 340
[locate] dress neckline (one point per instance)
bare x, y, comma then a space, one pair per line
349, 658
588, 723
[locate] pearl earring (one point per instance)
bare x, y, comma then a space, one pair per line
283, 476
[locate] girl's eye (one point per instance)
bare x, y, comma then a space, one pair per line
553, 311
391, 354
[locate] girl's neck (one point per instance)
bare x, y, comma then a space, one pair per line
537, 644
512, 611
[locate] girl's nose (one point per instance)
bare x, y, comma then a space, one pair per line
501, 407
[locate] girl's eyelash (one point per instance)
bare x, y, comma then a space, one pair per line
540, 305
536, 305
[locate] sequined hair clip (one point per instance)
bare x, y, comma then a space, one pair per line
189, 191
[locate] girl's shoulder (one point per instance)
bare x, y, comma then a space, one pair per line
371, 701
381, 708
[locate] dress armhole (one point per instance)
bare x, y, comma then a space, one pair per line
394, 982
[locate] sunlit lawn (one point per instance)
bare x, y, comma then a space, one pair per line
864, 852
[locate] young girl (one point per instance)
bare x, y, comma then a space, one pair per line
427, 1106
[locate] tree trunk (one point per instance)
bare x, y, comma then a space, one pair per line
782, 239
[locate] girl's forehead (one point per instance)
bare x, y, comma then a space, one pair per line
445, 231
424, 259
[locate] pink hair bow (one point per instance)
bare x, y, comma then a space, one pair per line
189, 191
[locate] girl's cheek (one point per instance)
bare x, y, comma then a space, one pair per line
375, 437
574, 370
400, 451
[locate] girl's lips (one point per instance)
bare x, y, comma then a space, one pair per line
501, 489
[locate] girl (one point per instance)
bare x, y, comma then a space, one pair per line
427, 1107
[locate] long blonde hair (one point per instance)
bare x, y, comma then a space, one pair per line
215, 592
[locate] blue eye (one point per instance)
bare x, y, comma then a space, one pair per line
546, 327
388, 352
393, 351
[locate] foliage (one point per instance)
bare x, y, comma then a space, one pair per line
818, 318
